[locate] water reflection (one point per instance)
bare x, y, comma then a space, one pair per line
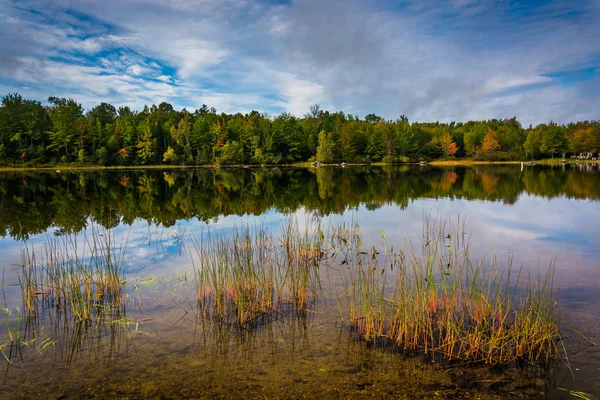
33, 202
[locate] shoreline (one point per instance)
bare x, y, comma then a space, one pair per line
306, 164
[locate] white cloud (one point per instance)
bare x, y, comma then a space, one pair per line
137, 69
299, 94
428, 60
506, 82
193, 56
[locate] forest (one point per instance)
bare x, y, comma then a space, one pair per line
61, 132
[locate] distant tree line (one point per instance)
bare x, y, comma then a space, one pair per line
61, 132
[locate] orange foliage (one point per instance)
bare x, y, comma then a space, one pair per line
448, 146
490, 142
451, 149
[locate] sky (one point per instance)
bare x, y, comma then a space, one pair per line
448, 60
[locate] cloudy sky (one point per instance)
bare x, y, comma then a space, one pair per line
431, 60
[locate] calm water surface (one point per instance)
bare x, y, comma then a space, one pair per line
162, 349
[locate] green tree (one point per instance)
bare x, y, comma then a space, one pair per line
64, 114
533, 143
146, 145
325, 148
23, 129
554, 139
231, 153
99, 117
406, 145
288, 142
473, 137
511, 135
181, 134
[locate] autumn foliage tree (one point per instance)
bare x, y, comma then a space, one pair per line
123, 153
449, 147
490, 142
583, 138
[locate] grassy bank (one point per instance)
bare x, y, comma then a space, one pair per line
570, 161
469, 161
70, 167
75, 167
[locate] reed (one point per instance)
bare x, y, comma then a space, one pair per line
73, 298
247, 276
80, 277
433, 299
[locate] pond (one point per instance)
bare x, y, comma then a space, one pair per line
165, 320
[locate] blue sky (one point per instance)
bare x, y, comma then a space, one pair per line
431, 60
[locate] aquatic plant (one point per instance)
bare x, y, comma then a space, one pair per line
434, 299
82, 277
73, 299
245, 277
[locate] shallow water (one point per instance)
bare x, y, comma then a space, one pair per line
163, 348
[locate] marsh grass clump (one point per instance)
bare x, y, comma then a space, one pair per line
81, 278
246, 277
433, 299
72, 298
